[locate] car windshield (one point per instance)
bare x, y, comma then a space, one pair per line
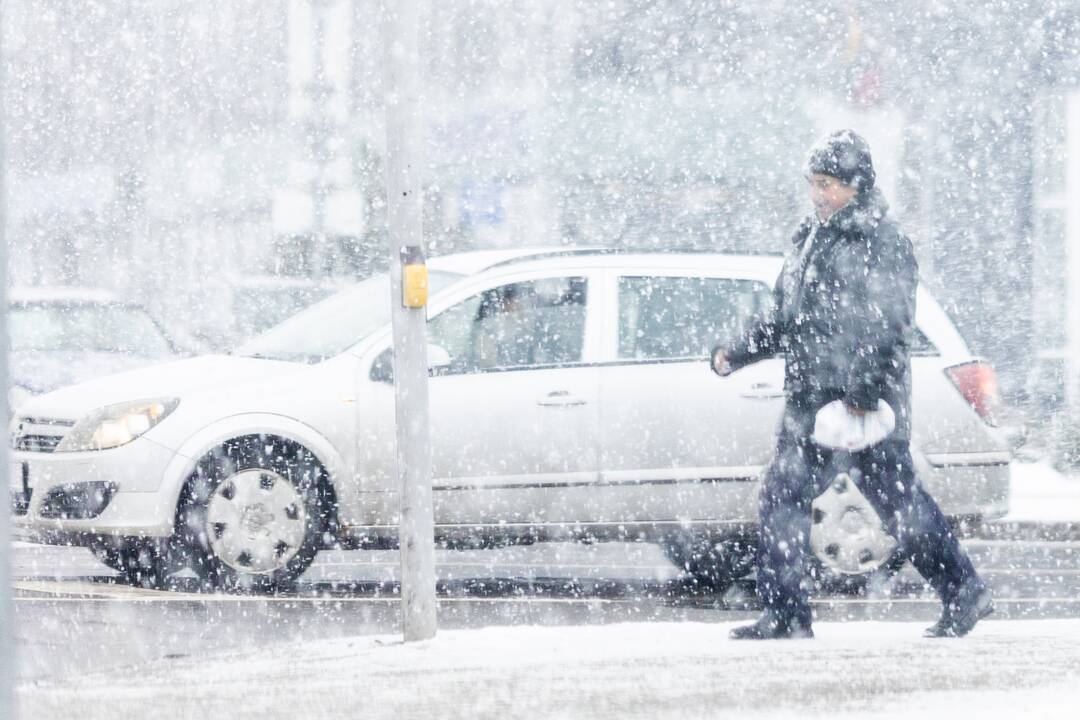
331, 326
258, 308
80, 328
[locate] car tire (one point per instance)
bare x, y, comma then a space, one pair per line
108, 556
252, 515
712, 563
715, 565
140, 562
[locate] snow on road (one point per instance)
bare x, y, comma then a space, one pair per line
1011, 669
1006, 669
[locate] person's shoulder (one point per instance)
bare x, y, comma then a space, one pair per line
887, 236
888, 246
875, 227
878, 240
886, 231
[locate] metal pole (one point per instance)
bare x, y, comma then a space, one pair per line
320, 89
7, 651
416, 530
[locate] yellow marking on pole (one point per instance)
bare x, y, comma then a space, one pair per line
414, 278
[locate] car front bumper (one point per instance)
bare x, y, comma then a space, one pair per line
138, 502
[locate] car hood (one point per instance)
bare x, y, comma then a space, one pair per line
40, 372
174, 379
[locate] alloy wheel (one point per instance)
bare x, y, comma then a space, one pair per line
256, 521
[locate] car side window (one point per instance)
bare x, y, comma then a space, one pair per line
452, 329
526, 324
684, 317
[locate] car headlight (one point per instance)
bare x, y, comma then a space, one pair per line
116, 425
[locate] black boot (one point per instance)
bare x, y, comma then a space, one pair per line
769, 627
971, 604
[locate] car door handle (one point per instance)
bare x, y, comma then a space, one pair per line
762, 390
560, 398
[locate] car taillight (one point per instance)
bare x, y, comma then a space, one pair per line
977, 382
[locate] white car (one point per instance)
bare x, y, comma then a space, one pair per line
571, 398
61, 335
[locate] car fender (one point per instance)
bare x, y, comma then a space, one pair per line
213, 435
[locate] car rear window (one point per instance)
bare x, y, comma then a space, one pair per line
684, 317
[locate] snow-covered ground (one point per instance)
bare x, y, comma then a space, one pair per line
1042, 494
1005, 669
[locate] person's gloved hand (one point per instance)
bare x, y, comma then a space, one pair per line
719, 362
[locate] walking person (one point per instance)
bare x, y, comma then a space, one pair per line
843, 315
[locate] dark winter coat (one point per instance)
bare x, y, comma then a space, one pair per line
843, 314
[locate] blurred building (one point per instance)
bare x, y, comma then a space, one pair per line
142, 138
1055, 373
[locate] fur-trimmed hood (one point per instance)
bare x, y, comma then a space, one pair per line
861, 215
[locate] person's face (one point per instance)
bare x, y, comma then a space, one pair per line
828, 194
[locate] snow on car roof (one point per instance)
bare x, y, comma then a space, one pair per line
470, 263
478, 261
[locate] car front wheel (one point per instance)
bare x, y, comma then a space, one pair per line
252, 515
141, 562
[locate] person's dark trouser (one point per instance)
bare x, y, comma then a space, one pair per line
800, 471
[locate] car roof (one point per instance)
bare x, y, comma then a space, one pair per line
63, 294
470, 263
281, 282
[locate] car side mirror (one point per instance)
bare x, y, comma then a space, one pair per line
382, 370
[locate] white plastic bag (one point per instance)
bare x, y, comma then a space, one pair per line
838, 428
